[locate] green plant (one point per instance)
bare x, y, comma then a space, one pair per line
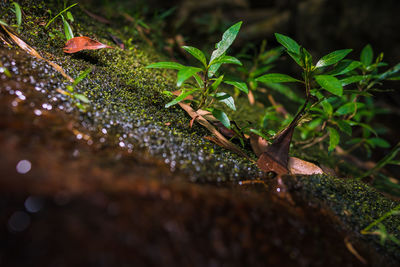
68, 33
79, 99
18, 16
381, 229
334, 87
204, 82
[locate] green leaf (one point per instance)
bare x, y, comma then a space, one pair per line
367, 55
226, 99
70, 17
199, 81
352, 79
376, 141
181, 97
344, 66
213, 69
276, 78
222, 117
334, 138
290, 44
2, 22
333, 58
81, 76
296, 58
217, 82
165, 65
18, 13
389, 73
327, 107
227, 39
59, 14
226, 60
347, 108
239, 85
345, 127
330, 83
82, 98
186, 73
363, 125
197, 53
67, 29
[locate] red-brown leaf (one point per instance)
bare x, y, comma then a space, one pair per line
83, 43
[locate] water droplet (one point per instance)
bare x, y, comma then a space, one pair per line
24, 166
33, 204
37, 112
19, 221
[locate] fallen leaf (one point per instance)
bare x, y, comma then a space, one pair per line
258, 144
275, 157
221, 140
30, 50
83, 43
299, 166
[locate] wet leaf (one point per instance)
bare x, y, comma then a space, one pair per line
227, 39
185, 73
77, 44
239, 85
222, 117
226, 99
347, 108
334, 138
333, 58
180, 97
367, 55
276, 78
290, 44
196, 53
344, 66
69, 34
299, 166
166, 65
330, 83
226, 60
18, 13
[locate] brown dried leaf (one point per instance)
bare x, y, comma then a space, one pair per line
258, 144
83, 43
222, 141
30, 50
299, 166
268, 163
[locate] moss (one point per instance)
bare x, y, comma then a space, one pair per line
355, 203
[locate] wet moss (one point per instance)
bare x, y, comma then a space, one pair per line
355, 203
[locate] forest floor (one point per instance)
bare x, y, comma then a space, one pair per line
127, 182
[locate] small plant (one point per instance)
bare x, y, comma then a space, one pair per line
68, 33
331, 103
203, 83
380, 229
79, 99
18, 16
